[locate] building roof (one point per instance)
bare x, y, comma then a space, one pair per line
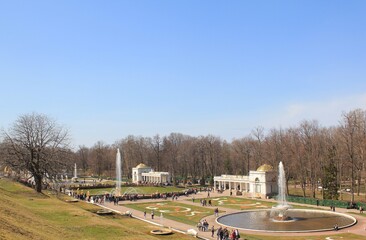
141, 165
265, 168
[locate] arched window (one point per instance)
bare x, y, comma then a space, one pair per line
134, 177
257, 186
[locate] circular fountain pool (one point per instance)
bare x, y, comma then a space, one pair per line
301, 221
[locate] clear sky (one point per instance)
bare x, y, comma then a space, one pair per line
108, 69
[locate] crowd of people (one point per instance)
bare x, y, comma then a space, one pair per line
225, 234
204, 202
203, 225
221, 233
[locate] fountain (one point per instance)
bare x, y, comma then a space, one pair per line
279, 212
163, 230
161, 220
118, 173
75, 178
281, 218
132, 190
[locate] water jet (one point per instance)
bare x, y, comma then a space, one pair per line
282, 218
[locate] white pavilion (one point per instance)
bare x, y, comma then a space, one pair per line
145, 174
259, 184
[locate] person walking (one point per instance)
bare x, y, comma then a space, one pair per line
218, 233
212, 231
237, 234
232, 235
216, 212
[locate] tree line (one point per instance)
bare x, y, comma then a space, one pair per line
313, 155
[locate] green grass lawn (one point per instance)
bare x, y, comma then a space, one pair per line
239, 203
140, 190
179, 212
25, 214
344, 196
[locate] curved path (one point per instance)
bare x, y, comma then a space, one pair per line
359, 228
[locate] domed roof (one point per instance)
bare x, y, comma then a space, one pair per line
141, 165
265, 168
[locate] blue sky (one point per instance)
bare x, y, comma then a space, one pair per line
108, 69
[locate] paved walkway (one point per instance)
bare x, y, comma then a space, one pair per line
176, 226
359, 228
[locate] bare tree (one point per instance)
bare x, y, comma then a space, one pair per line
38, 145
157, 145
99, 156
297, 152
83, 157
172, 146
242, 151
352, 131
258, 134
309, 130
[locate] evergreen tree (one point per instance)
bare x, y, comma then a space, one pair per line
330, 185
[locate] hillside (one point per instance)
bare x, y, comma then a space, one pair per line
25, 214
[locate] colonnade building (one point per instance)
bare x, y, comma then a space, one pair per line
259, 184
145, 174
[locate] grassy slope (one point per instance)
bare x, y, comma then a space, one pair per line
25, 214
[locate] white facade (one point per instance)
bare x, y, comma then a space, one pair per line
260, 183
144, 174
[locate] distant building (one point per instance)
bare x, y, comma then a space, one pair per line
145, 174
260, 183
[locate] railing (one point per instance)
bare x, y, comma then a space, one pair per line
228, 177
326, 202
